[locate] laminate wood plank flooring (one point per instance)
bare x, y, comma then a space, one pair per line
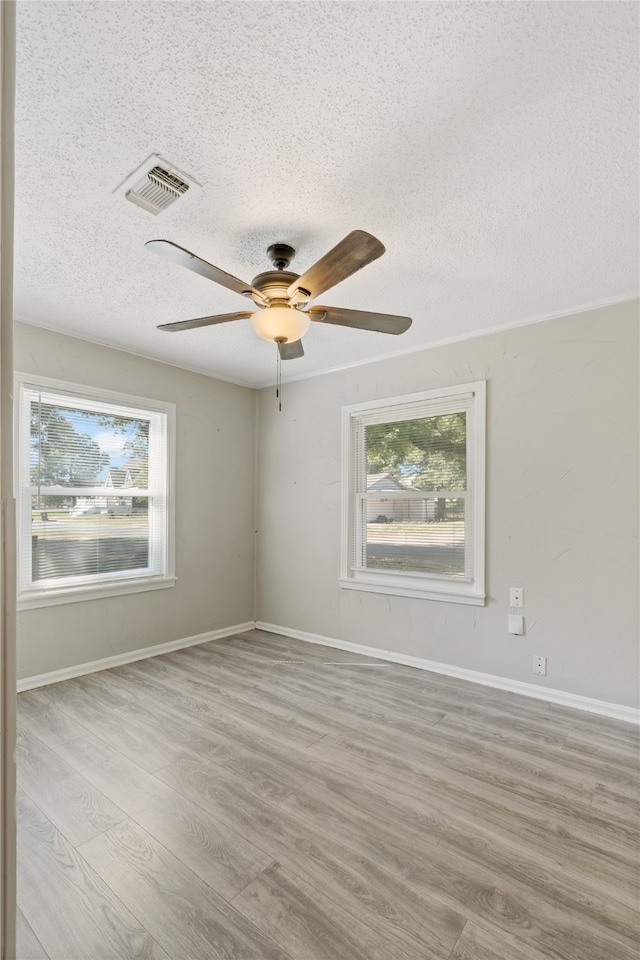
72, 804
180, 910
219, 855
30, 946
345, 875
71, 910
260, 798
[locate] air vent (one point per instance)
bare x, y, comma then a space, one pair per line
155, 185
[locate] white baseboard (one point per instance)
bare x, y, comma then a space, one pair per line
614, 710
67, 673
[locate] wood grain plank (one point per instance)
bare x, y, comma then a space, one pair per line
526, 785
324, 685
613, 749
378, 896
45, 720
28, 947
235, 706
522, 865
622, 805
580, 848
482, 943
71, 910
182, 913
307, 924
447, 819
73, 805
595, 726
475, 886
219, 855
268, 771
134, 740
463, 732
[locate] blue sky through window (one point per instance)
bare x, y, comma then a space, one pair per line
112, 434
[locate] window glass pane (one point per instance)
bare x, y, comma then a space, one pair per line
94, 488
413, 495
87, 536
406, 531
429, 453
423, 535
74, 447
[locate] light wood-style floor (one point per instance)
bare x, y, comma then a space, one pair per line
263, 798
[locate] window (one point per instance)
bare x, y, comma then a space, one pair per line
94, 493
413, 495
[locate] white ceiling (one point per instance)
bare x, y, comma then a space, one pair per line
492, 147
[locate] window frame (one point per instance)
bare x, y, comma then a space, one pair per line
102, 585
468, 590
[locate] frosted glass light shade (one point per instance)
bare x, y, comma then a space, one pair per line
276, 322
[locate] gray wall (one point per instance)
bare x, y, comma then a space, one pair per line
214, 511
562, 506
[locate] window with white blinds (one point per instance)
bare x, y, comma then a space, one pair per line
94, 493
413, 509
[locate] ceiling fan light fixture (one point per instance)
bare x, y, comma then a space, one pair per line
280, 324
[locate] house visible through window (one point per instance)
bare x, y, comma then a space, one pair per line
94, 493
414, 495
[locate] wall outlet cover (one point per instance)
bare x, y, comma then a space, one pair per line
540, 666
516, 596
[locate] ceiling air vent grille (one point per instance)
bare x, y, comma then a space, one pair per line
155, 185
158, 191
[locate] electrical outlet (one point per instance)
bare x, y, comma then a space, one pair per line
540, 666
516, 596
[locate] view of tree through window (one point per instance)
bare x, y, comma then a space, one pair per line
76, 447
415, 496
95, 498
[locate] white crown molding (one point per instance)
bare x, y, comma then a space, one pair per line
136, 353
615, 711
474, 335
459, 338
94, 666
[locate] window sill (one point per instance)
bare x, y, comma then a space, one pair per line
448, 594
93, 592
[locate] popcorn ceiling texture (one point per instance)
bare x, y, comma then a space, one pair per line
491, 147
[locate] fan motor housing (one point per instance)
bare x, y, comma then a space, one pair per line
273, 284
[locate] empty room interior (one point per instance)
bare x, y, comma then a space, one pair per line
326, 630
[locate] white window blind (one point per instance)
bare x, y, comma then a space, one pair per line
94, 492
414, 494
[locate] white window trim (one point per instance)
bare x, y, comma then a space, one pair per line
116, 585
418, 585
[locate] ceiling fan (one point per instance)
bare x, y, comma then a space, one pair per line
282, 296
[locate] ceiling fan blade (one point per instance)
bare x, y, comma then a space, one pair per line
171, 251
204, 321
362, 319
350, 255
291, 351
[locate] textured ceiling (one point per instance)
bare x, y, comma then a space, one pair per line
492, 147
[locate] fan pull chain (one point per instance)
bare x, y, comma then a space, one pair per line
278, 376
